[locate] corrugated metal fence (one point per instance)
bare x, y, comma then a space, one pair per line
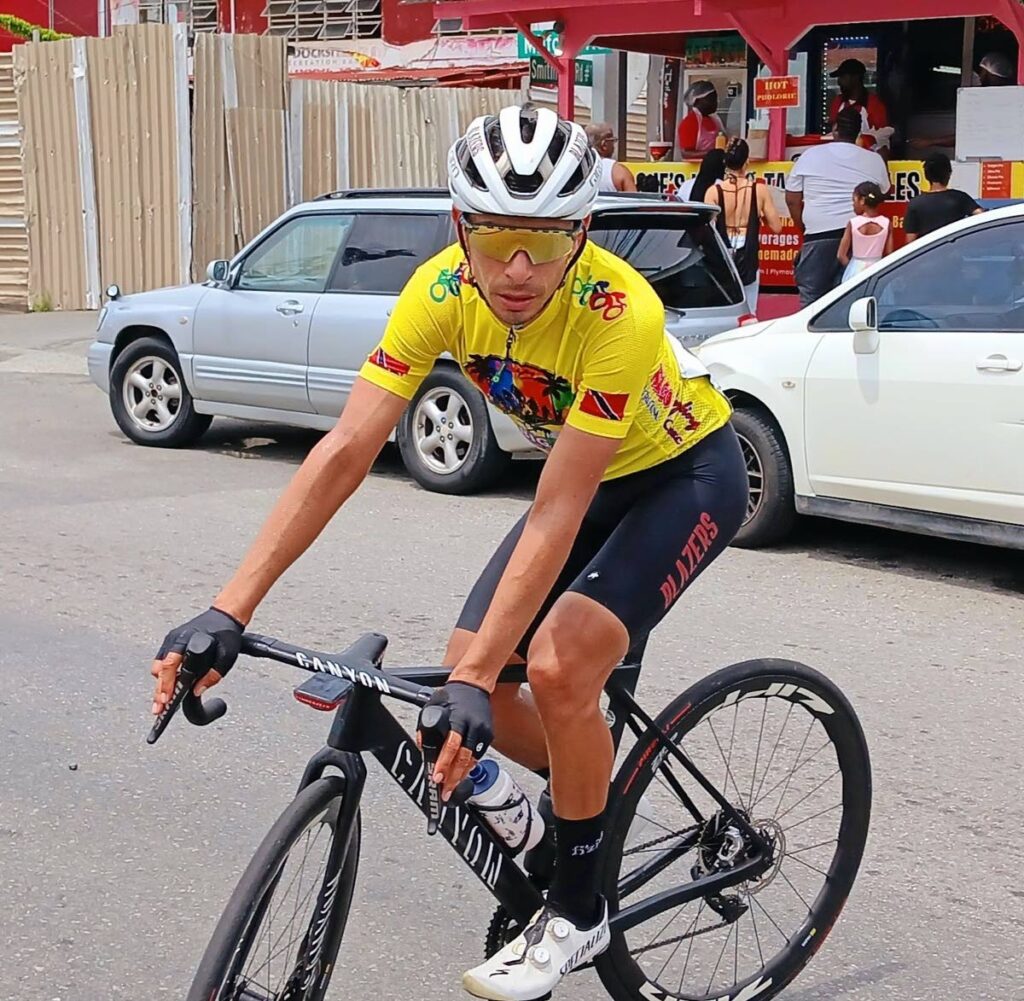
124, 182
13, 239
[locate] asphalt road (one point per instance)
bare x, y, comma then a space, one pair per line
116, 858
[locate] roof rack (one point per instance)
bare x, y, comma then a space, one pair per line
385, 193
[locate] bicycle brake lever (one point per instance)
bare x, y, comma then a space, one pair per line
433, 727
196, 662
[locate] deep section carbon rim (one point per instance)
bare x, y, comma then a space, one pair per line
785, 755
278, 955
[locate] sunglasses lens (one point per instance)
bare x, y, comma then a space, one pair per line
541, 245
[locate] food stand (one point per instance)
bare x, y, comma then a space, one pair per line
918, 53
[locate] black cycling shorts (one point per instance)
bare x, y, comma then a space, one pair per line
644, 539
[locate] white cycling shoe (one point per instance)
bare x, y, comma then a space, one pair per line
530, 966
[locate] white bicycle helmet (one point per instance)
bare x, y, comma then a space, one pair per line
524, 162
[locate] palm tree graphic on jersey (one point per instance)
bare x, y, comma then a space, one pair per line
528, 393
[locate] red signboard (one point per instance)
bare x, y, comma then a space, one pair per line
776, 92
995, 179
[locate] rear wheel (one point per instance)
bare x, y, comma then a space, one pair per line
280, 932
783, 745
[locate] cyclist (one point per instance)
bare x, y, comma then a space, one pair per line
644, 486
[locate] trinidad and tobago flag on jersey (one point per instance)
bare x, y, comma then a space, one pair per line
610, 406
383, 360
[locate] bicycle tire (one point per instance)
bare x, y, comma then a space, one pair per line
621, 974
241, 921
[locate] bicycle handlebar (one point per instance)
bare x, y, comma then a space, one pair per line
359, 664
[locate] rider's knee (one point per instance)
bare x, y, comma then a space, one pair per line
550, 680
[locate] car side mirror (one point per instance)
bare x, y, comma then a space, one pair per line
218, 272
863, 320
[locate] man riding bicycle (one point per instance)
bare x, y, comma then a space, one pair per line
644, 486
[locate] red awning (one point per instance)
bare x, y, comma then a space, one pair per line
506, 76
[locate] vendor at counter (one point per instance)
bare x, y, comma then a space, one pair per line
854, 94
701, 127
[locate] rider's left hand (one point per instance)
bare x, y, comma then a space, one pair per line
470, 732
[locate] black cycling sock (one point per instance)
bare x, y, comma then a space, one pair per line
575, 885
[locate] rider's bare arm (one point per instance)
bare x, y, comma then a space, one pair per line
566, 488
329, 476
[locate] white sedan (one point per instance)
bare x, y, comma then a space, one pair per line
897, 399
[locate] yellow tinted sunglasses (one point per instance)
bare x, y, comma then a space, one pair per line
502, 243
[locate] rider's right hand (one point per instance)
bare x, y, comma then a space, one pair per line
227, 634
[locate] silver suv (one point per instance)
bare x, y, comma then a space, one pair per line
280, 332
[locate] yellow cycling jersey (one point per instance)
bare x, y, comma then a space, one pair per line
597, 358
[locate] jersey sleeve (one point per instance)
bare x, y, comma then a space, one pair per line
618, 360
419, 331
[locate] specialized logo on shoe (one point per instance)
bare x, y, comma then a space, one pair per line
383, 360
591, 946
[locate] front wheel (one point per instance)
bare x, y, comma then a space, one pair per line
446, 439
281, 930
782, 744
149, 398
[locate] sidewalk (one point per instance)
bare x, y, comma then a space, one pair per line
48, 343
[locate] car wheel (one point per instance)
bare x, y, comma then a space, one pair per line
149, 398
770, 512
445, 436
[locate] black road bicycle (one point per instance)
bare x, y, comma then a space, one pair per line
736, 825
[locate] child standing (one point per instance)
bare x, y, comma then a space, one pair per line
868, 236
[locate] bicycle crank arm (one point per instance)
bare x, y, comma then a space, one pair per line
706, 886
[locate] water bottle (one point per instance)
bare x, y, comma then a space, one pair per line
505, 807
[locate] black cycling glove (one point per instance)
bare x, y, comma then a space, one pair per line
469, 714
226, 631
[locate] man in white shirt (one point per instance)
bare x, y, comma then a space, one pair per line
819, 191
614, 176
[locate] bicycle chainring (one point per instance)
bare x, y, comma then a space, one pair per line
502, 930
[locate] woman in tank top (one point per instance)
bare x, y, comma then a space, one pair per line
746, 205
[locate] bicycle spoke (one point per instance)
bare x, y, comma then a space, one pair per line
757, 753
725, 946
672, 954
814, 816
754, 900
757, 937
803, 744
728, 772
768, 767
689, 950
807, 796
795, 890
796, 768
807, 865
809, 848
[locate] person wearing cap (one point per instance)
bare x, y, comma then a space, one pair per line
614, 176
854, 94
700, 128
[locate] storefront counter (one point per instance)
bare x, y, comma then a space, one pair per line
990, 180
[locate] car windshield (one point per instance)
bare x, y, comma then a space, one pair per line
680, 254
